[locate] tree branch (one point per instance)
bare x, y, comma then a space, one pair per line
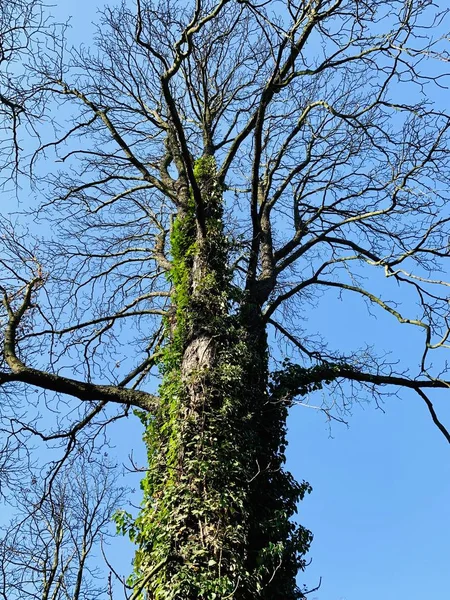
50, 381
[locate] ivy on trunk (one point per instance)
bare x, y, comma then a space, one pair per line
218, 504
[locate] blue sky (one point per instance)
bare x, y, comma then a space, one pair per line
379, 509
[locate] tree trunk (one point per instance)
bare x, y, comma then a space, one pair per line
217, 504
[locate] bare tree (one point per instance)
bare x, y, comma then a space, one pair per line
23, 27
222, 165
47, 552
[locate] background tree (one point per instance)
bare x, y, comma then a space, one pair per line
23, 26
46, 552
222, 165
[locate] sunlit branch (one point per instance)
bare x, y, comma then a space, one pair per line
82, 390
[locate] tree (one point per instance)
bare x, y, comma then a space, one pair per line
46, 553
222, 164
22, 24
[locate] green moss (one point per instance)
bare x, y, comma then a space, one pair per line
204, 167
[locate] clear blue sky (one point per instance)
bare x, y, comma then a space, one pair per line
381, 488
380, 505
